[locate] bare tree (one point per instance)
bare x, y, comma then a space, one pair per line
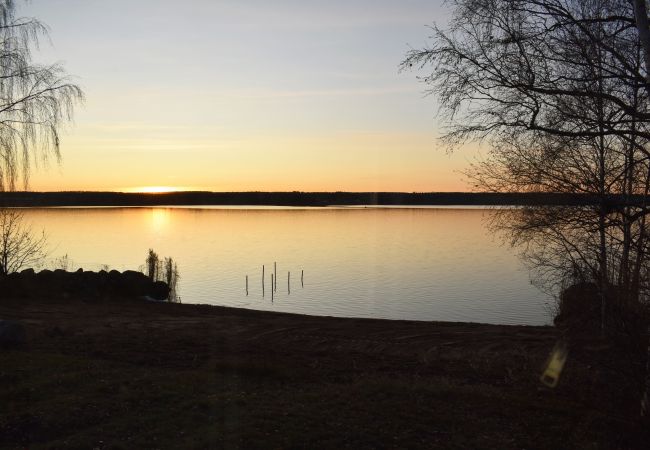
561, 89
171, 278
35, 100
545, 66
153, 265
643, 26
19, 246
166, 270
558, 88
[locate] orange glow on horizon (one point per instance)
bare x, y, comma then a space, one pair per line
155, 189
345, 161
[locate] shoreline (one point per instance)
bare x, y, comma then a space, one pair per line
311, 199
297, 316
12, 308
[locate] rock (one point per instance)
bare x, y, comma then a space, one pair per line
12, 333
134, 283
160, 290
134, 276
148, 298
46, 276
88, 283
579, 306
580, 311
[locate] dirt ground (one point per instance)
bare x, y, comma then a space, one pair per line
147, 375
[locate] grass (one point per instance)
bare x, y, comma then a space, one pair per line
110, 388
56, 401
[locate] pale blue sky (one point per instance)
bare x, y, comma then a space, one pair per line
246, 95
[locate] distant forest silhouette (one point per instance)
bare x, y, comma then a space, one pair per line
46, 199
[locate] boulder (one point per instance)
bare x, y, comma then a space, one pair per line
580, 311
135, 283
160, 290
579, 306
12, 333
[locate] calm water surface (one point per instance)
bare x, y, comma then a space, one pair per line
422, 264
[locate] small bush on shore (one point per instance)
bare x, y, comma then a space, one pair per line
165, 270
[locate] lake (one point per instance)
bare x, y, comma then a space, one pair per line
392, 263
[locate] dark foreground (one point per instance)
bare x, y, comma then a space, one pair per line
146, 375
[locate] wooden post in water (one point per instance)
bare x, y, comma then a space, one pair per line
272, 280
275, 272
302, 278
246, 285
289, 282
262, 280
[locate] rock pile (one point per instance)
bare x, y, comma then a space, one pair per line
82, 284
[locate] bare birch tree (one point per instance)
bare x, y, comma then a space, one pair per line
19, 246
643, 27
558, 89
35, 100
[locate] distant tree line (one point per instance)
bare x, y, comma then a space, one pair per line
26, 199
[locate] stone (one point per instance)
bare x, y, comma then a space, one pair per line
160, 290
12, 333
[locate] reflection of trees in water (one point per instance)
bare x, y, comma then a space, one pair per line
565, 245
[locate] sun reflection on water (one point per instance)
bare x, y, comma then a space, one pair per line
159, 219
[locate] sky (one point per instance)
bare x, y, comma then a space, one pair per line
243, 95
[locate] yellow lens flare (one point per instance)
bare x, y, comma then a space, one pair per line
554, 365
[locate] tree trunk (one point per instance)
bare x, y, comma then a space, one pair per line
643, 25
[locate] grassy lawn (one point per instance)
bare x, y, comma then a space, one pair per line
81, 388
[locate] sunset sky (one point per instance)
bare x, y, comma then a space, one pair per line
234, 95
